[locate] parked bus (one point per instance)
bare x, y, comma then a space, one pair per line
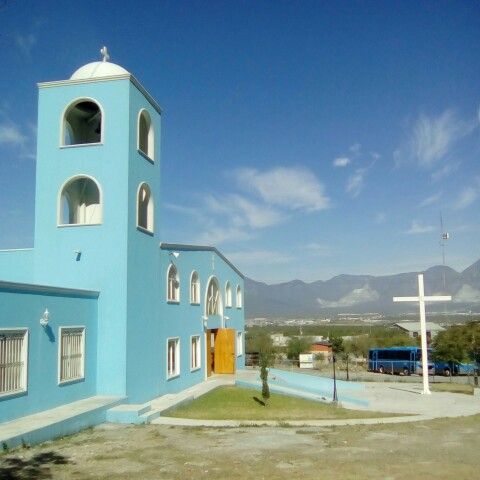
453, 368
406, 360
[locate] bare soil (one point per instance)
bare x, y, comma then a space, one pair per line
440, 449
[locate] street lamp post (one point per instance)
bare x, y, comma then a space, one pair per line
335, 396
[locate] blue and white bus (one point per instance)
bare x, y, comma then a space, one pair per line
406, 360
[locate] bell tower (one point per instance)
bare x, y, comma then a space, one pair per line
97, 186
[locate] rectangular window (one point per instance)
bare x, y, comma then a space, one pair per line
239, 344
195, 361
173, 357
72, 354
13, 361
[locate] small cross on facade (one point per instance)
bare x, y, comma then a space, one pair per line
421, 299
105, 54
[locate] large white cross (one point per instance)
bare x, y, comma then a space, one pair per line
421, 299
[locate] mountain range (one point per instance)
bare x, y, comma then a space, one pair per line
362, 293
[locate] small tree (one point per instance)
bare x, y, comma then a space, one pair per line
264, 364
296, 346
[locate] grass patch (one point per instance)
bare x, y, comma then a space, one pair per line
452, 388
235, 403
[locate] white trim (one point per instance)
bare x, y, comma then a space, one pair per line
24, 359
205, 353
59, 201
240, 334
177, 358
150, 203
59, 354
123, 76
15, 249
62, 123
199, 353
151, 131
81, 145
177, 277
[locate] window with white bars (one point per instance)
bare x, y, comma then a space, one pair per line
239, 344
13, 361
72, 354
195, 353
173, 357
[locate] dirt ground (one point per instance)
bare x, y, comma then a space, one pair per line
440, 449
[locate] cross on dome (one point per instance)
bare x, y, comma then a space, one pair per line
105, 54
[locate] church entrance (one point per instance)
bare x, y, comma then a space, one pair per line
220, 347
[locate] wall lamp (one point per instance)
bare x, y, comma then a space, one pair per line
175, 254
45, 318
204, 321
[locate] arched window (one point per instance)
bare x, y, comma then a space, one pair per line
146, 136
213, 302
194, 288
80, 202
82, 123
228, 295
239, 297
173, 284
145, 208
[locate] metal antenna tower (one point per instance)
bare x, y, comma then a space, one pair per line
444, 236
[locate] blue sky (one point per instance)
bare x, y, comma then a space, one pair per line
303, 139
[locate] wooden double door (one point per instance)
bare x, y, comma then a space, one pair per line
220, 350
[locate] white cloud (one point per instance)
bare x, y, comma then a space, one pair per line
355, 297
375, 155
25, 42
355, 148
318, 249
243, 212
444, 171
418, 228
341, 162
433, 137
467, 294
466, 197
181, 209
291, 188
10, 134
356, 182
259, 257
218, 234
380, 218
431, 200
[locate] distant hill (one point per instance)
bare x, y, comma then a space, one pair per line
361, 293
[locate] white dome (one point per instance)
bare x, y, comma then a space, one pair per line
98, 69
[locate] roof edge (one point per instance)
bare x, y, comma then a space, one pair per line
123, 76
200, 248
35, 288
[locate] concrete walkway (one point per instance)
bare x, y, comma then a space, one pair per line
56, 422
395, 398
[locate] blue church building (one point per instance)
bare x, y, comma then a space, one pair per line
101, 307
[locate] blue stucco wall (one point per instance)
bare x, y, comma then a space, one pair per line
22, 308
17, 265
129, 323
103, 262
184, 320
143, 342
